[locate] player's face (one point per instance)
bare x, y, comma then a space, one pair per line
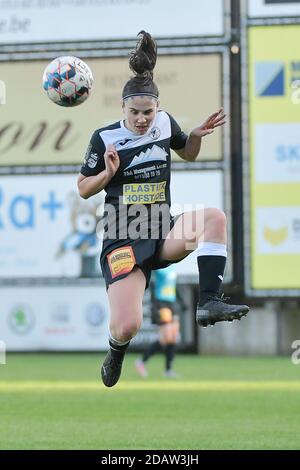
140, 112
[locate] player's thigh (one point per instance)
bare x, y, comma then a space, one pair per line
184, 236
126, 297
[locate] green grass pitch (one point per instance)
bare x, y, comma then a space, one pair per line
57, 401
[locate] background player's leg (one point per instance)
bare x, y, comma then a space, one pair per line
126, 312
169, 339
152, 349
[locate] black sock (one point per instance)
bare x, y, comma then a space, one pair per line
170, 353
117, 350
152, 349
211, 271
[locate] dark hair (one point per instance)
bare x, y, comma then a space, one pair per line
142, 61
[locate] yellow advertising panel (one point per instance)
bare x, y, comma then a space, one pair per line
34, 131
274, 104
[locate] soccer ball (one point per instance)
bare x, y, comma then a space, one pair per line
67, 81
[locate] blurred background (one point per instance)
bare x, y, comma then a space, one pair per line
240, 55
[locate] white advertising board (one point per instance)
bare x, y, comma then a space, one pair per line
277, 155
273, 8
54, 318
46, 229
29, 21
278, 230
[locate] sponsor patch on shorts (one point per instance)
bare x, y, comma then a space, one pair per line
121, 261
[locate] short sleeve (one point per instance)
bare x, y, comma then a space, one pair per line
94, 157
178, 137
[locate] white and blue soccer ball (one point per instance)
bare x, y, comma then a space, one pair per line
68, 81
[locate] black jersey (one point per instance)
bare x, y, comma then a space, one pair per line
143, 177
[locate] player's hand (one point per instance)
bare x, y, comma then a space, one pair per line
112, 160
215, 120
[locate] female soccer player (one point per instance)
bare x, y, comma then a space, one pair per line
130, 159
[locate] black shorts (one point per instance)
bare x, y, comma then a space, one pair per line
123, 255
163, 312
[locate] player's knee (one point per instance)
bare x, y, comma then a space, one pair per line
127, 330
217, 218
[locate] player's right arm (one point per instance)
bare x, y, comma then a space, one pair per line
90, 185
100, 166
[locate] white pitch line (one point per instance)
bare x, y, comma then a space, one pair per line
200, 386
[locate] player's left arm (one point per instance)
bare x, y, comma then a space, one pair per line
193, 143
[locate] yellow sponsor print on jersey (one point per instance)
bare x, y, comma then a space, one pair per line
121, 261
145, 193
168, 291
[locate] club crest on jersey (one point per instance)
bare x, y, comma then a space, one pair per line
92, 160
155, 133
152, 154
